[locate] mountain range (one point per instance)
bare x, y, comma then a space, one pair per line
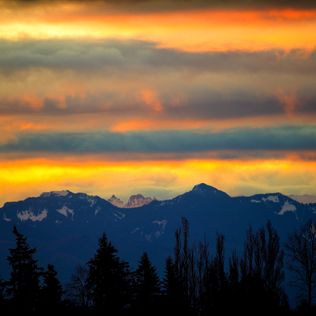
64, 226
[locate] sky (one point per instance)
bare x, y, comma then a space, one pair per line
154, 96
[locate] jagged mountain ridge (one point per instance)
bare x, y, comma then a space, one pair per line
136, 200
65, 226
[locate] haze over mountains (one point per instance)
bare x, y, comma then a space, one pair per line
65, 226
304, 198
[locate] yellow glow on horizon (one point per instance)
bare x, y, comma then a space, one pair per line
165, 178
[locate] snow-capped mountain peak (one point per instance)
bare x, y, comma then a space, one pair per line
138, 200
56, 193
116, 201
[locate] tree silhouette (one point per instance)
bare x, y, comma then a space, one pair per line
301, 252
203, 266
170, 282
2, 292
233, 282
182, 260
51, 290
273, 267
215, 284
108, 279
78, 288
195, 282
219, 263
24, 279
147, 284
233, 276
262, 270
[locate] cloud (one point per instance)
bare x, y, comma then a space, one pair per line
212, 104
115, 56
285, 138
137, 79
149, 97
202, 103
289, 101
163, 5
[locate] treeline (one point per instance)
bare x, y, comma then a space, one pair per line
195, 281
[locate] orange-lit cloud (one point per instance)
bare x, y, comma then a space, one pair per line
207, 30
158, 124
150, 98
289, 101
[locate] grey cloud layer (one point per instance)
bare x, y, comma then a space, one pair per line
157, 5
297, 138
129, 56
201, 103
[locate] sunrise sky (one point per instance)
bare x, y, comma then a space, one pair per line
154, 96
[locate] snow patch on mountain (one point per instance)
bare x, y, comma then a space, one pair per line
135, 230
287, 207
119, 215
55, 193
161, 227
271, 198
138, 200
161, 223
91, 201
6, 219
97, 211
65, 211
29, 215
154, 233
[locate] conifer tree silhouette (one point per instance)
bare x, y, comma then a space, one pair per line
51, 290
108, 279
24, 279
171, 283
147, 284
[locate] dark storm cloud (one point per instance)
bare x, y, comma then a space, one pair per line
159, 5
286, 138
131, 56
